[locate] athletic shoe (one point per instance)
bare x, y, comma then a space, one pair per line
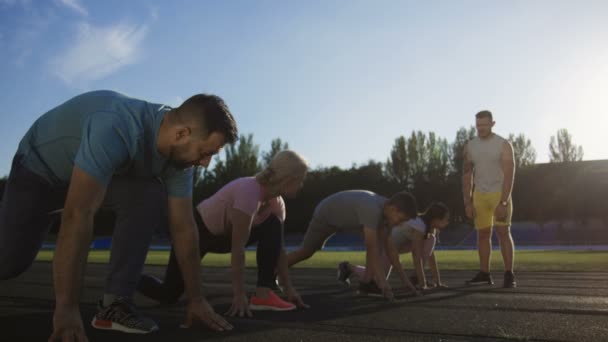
370, 289
344, 273
271, 303
481, 278
510, 282
122, 316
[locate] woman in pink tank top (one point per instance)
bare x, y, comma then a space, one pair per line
246, 211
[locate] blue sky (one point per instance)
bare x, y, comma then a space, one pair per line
339, 80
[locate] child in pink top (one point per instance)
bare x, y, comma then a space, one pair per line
245, 211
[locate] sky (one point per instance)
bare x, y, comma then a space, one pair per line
339, 80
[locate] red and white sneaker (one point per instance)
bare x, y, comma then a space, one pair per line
122, 316
272, 303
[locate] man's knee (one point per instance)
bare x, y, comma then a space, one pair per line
503, 233
18, 250
484, 234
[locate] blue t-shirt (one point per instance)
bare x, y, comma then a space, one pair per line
105, 134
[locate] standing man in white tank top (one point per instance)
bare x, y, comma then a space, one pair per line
488, 173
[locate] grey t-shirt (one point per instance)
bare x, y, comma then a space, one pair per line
351, 210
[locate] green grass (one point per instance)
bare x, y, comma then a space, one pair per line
447, 260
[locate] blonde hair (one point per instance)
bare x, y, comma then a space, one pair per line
284, 164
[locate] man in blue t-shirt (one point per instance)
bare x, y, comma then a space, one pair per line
105, 149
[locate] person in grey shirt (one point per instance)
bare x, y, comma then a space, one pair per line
358, 211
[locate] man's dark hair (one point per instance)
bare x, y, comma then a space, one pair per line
484, 114
405, 203
211, 114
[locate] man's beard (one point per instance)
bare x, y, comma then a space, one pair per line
178, 163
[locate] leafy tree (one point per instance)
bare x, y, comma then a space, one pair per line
457, 149
276, 145
523, 152
562, 149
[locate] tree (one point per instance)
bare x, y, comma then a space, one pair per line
457, 148
397, 167
438, 159
418, 160
239, 161
417, 154
523, 152
276, 145
562, 149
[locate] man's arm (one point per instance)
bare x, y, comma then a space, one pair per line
101, 150
185, 241
467, 183
372, 246
508, 168
85, 196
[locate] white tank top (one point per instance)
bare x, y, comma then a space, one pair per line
485, 154
405, 231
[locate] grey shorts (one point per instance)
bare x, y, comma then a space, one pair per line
317, 234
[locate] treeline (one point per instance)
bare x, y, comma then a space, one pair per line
431, 168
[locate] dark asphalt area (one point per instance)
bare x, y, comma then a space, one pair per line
545, 307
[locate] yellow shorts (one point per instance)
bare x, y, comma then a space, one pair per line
485, 203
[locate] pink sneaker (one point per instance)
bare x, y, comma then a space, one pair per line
272, 303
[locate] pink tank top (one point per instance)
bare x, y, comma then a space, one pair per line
244, 194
